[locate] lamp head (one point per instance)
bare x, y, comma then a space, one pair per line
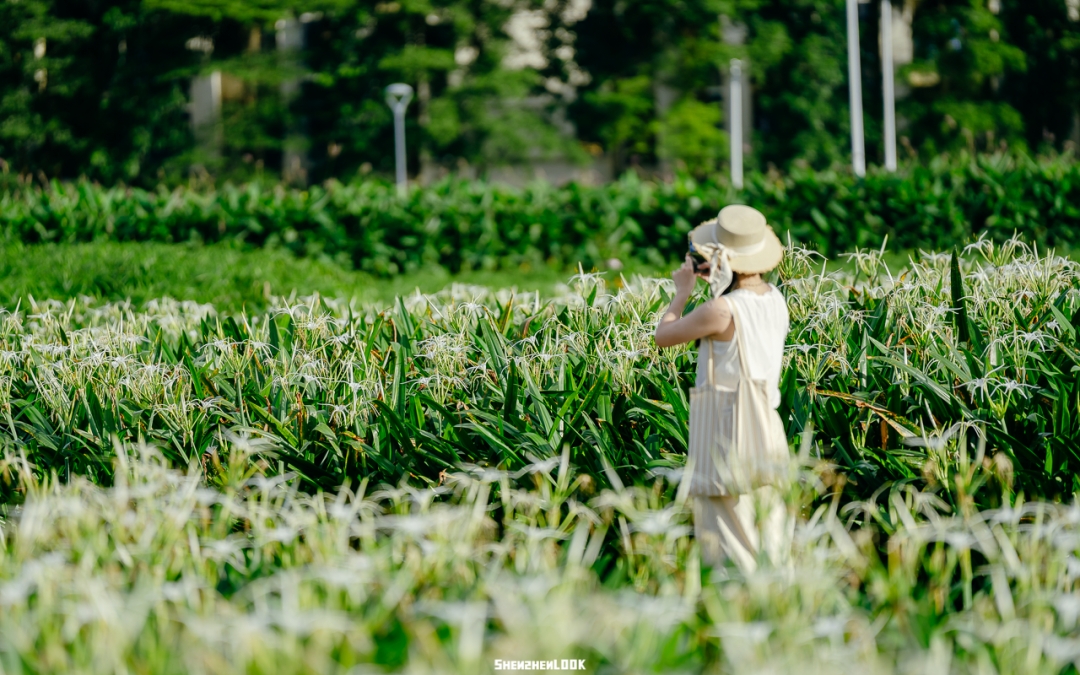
398, 94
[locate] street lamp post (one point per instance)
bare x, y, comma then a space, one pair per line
858, 148
398, 96
736, 124
888, 77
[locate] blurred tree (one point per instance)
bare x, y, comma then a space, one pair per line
249, 44
961, 60
91, 88
101, 88
1047, 95
968, 84
469, 106
691, 134
798, 56
653, 88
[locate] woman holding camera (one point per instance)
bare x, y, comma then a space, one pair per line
738, 509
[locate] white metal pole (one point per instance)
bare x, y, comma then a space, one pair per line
398, 97
888, 76
736, 107
399, 147
858, 148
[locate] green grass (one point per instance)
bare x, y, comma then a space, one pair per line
230, 278
235, 279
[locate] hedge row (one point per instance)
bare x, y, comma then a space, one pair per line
478, 225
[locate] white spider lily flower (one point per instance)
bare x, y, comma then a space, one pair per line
10, 356
935, 259
1012, 385
337, 412
484, 474
472, 309
978, 384
658, 522
221, 345
226, 549
535, 534
249, 444
1033, 336
207, 404
257, 345
413, 525
673, 475
937, 440
982, 245
277, 535
582, 278
1024, 294
52, 349
537, 466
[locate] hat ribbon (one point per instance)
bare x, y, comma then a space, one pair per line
720, 273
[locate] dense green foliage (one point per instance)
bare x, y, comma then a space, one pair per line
100, 89
975, 88
92, 88
477, 226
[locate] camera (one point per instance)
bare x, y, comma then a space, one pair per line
696, 256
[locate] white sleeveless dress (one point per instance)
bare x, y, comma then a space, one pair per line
765, 325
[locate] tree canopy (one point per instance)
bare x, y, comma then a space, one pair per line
101, 89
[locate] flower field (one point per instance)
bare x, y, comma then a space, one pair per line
159, 573
451, 479
877, 363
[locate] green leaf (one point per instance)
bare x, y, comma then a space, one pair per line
960, 316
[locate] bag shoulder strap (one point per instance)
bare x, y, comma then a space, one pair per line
707, 343
740, 342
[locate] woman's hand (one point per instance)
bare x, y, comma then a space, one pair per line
685, 277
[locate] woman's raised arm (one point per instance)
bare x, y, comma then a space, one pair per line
708, 318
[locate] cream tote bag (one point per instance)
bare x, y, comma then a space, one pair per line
737, 440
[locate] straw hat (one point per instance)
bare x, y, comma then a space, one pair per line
742, 233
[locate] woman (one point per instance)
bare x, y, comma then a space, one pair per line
740, 247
